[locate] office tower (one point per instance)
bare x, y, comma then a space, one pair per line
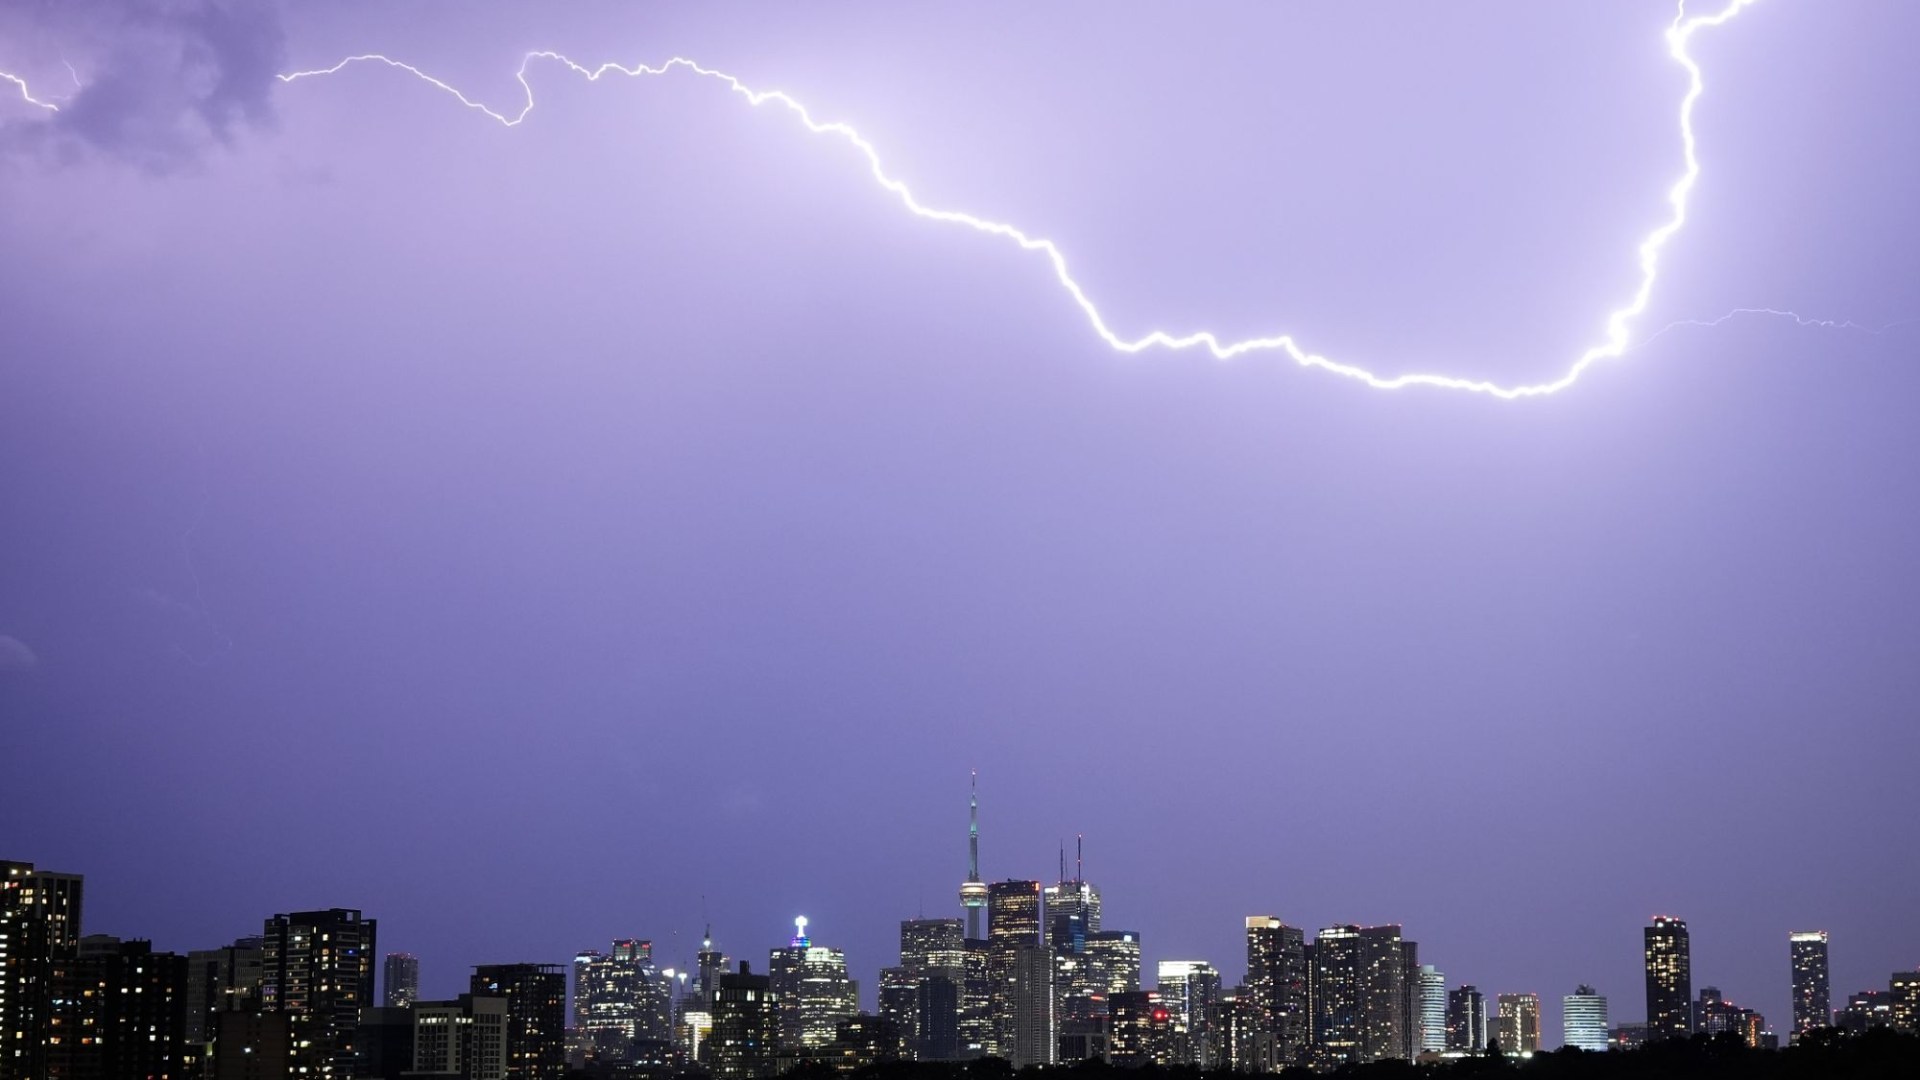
1030, 1032
929, 949
1669, 979
620, 997
710, 964
536, 997
811, 990
1237, 1035
1811, 1005
746, 1026
936, 1019
1188, 990
39, 923
1430, 1012
1142, 1030
1072, 908
1013, 923
1583, 1019
1409, 1000
465, 1037
117, 1011
976, 1001
1903, 1001
400, 980
1466, 1021
933, 946
1277, 984
973, 892
1518, 1017
317, 968
1113, 961
221, 981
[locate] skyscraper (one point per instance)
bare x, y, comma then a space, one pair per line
1113, 961
1903, 1001
1430, 1012
317, 968
1466, 1020
1337, 992
973, 891
929, 949
1013, 923
1812, 1007
1277, 983
536, 996
1669, 979
222, 981
39, 923
811, 990
466, 1037
1518, 1017
1387, 1005
401, 980
1583, 1019
1030, 1031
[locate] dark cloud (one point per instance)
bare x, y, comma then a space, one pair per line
163, 80
15, 656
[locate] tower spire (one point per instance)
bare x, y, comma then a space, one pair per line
973, 892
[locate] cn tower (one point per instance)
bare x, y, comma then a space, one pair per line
973, 892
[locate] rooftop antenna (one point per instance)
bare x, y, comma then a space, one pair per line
1079, 841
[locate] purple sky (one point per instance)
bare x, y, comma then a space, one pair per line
521, 535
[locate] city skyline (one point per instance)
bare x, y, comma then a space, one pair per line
1667, 955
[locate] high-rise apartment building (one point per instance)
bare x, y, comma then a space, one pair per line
1430, 1012
1903, 1001
1031, 1029
1466, 1020
1583, 1019
465, 1037
746, 1027
1812, 1007
536, 997
1669, 967
39, 923
1142, 1030
929, 949
118, 1011
811, 990
1387, 996
221, 981
1189, 991
400, 980
1338, 995
317, 969
1277, 986
1517, 1017
1713, 1014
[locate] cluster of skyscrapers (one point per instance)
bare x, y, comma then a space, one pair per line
1044, 981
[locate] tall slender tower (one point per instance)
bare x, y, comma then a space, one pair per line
973, 892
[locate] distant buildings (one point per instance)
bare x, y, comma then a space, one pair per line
1714, 1015
620, 997
400, 980
465, 1037
811, 990
117, 1011
1812, 1007
1430, 1011
1517, 1018
1669, 969
1013, 925
1466, 1020
1190, 991
1583, 1019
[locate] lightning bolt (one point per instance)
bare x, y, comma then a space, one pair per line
1774, 313
1616, 342
26, 92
